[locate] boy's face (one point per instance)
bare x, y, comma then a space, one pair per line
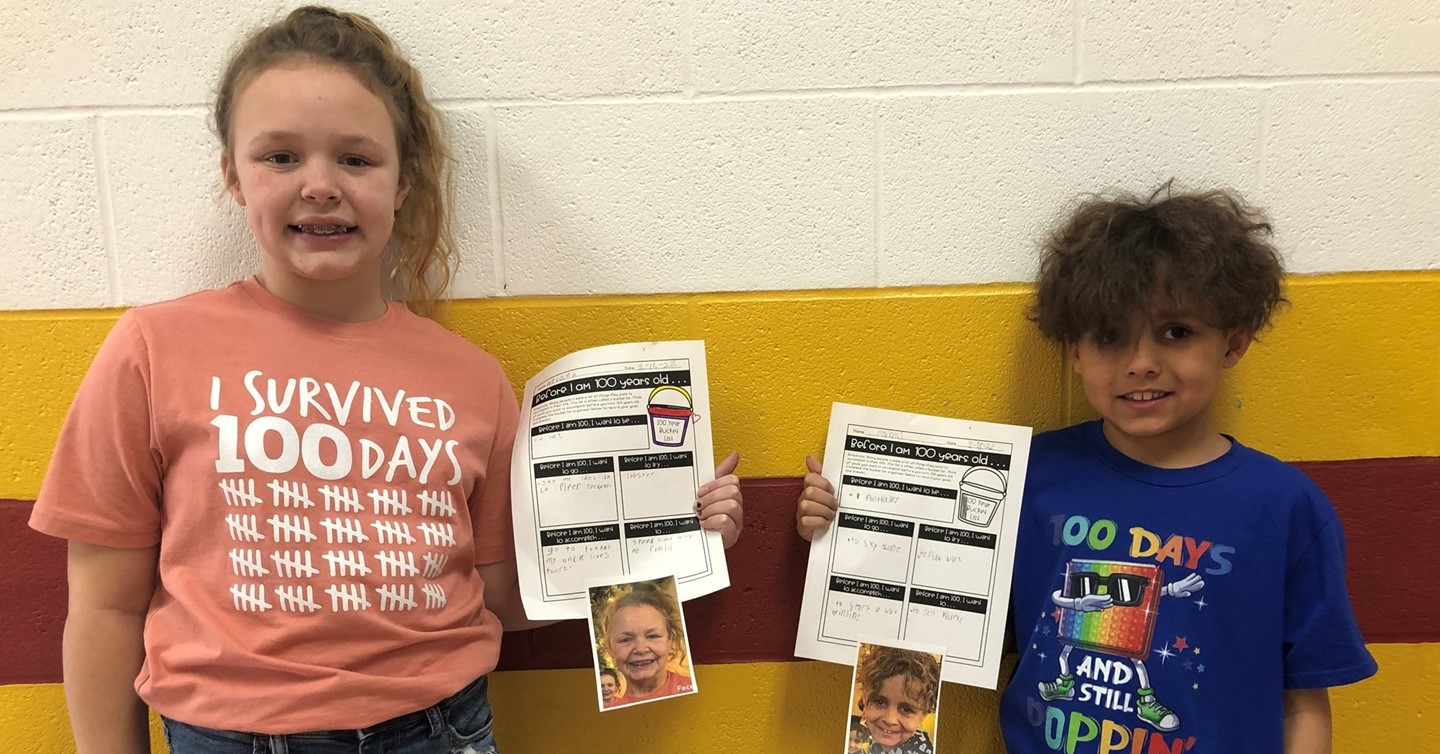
1154, 391
891, 714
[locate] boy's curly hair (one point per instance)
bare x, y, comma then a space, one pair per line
1208, 252
920, 669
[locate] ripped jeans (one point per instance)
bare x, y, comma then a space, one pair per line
459, 724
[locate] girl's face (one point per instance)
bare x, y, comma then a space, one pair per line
608, 686
891, 714
639, 642
315, 165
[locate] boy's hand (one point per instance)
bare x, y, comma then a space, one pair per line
719, 503
816, 507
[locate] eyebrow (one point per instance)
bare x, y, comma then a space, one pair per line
345, 140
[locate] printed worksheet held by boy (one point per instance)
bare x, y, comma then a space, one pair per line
923, 542
612, 445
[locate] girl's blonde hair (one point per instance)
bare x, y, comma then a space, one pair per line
426, 255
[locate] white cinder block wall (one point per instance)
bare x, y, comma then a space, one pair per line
627, 146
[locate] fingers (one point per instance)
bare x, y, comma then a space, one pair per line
724, 488
816, 507
721, 505
724, 517
727, 466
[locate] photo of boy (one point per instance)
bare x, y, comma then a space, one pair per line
895, 695
641, 654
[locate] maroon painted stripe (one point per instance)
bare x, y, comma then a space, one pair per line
1390, 508
32, 592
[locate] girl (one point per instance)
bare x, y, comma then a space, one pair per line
287, 501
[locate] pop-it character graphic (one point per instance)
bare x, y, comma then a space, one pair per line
1109, 607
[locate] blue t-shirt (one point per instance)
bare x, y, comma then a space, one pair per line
1169, 609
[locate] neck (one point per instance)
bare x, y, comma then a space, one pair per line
638, 688
347, 301
1180, 449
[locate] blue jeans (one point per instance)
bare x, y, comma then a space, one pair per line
457, 725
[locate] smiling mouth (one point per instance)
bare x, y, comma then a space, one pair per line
323, 230
880, 731
1144, 395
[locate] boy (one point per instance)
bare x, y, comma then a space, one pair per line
1174, 590
898, 689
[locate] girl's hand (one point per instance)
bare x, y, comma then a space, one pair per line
816, 507
720, 505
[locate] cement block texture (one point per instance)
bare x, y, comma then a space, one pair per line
552, 48
54, 253
687, 197
126, 52
758, 45
1163, 39
1353, 175
970, 185
176, 229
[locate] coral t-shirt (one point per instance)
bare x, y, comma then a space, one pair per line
674, 684
320, 492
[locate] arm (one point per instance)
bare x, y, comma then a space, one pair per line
817, 505
1307, 721
719, 503
502, 595
110, 591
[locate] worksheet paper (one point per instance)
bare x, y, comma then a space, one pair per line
923, 542
612, 445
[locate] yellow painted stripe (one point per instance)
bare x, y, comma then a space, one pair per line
792, 707
1351, 371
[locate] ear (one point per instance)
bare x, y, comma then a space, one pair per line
1072, 355
231, 180
402, 191
1236, 346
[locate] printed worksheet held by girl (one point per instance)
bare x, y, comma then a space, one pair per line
612, 445
923, 541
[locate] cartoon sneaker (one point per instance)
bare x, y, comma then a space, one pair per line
1156, 714
1062, 688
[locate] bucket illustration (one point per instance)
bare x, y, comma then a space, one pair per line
981, 491
671, 412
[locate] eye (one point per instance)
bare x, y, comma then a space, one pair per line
280, 158
1175, 332
354, 161
1107, 337
906, 709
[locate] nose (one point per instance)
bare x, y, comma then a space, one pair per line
320, 185
1143, 358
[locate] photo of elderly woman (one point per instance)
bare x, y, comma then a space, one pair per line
640, 647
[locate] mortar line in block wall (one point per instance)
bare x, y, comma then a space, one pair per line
883, 91
1261, 142
497, 214
687, 63
878, 218
896, 91
107, 212
64, 112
